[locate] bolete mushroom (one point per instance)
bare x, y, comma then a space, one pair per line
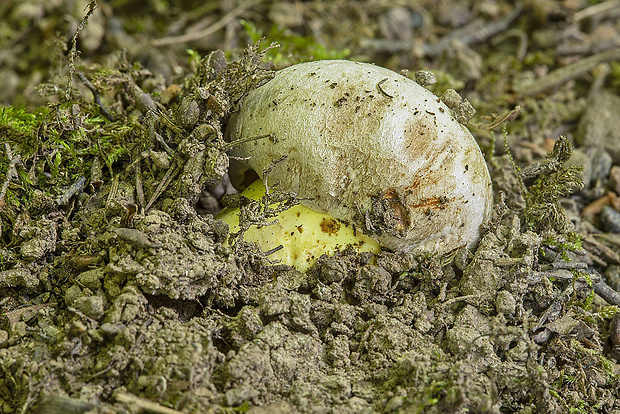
371, 148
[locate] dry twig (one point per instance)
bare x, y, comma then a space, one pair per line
566, 73
144, 404
220, 24
11, 171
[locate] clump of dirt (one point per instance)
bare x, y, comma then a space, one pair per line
117, 295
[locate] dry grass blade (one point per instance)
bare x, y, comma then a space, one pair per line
188, 37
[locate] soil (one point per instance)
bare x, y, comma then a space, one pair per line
120, 292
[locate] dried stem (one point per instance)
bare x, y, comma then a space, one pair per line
220, 24
96, 97
11, 171
73, 52
563, 75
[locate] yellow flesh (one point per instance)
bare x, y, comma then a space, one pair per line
304, 233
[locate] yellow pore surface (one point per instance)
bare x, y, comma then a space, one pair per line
304, 234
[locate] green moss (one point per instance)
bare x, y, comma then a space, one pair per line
49, 153
21, 127
568, 242
293, 48
543, 212
608, 312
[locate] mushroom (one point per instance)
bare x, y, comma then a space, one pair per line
372, 149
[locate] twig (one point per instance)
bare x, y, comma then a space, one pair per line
476, 32
149, 123
11, 171
275, 249
236, 142
507, 117
601, 8
167, 121
144, 403
73, 52
139, 187
562, 150
563, 75
113, 190
569, 265
188, 37
590, 242
162, 186
469, 299
603, 290
520, 35
73, 189
162, 142
560, 274
600, 74
554, 310
96, 97
81, 315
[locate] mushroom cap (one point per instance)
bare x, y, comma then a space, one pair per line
371, 148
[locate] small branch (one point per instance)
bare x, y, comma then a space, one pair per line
566, 73
11, 171
239, 141
562, 150
73, 189
162, 186
73, 52
606, 292
139, 187
275, 249
561, 274
521, 37
602, 8
96, 97
507, 117
144, 404
591, 243
188, 37
476, 32
468, 299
